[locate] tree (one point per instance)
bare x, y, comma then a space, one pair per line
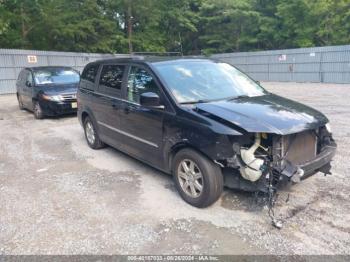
189, 26
79, 25
268, 24
228, 25
294, 26
21, 18
179, 25
332, 18
4, 19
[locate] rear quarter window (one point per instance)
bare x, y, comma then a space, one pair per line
89, 76
90, 73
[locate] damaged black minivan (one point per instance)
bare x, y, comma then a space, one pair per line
203, 121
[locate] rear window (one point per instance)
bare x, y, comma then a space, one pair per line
90, 73
56, 76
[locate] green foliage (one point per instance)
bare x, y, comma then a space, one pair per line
191, 26
79, 26
228, 25
4, 21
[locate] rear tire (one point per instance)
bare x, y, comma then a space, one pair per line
38, 112
91, 134
20, 102
198, 180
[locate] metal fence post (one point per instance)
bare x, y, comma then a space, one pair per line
321, 67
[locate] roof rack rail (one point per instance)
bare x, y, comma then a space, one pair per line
158, 53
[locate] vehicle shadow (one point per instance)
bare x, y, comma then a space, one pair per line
136, 163
232, 199
58, 117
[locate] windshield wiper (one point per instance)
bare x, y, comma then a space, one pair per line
212, 100
196, 101
236, 97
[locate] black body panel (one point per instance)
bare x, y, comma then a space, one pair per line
269, 114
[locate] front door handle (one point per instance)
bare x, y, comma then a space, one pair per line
115, 107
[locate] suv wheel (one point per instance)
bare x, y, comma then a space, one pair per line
38, 112
198, 180
91, 134
20, 102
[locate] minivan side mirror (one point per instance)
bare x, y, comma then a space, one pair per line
258, 82
150, 99
28, 83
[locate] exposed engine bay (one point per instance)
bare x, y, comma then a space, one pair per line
272, 161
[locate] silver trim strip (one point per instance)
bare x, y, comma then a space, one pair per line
127, 134
117, 98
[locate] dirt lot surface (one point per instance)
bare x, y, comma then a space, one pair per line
57, 196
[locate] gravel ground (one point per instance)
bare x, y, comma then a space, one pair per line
60, 197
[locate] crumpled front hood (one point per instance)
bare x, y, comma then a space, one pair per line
269, 114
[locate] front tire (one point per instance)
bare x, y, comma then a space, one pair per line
91, 135
38, 112
198, 180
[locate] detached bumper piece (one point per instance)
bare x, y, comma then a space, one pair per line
321, 163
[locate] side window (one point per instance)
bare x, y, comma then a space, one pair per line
29, 78
90, 73
140, 81
21, 76
112, 76
25, 77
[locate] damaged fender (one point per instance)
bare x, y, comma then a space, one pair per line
205, 135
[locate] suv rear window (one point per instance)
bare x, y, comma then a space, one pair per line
112, 76
90, 73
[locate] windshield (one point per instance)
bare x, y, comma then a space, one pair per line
56, 76
200, 81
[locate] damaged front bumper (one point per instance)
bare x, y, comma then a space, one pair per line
271, 163
321, 163
277, 171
